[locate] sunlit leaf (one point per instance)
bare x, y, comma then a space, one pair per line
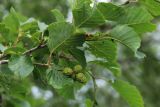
89, 103
152, 6
110, 11
58, 15
135, 15
61, 36
129, 93
144, 27
103, 49
126, 36
86, 16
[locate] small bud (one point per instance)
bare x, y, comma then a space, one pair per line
67, 71
78, 68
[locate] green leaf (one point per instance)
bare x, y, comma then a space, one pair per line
58, 15
89, 103
105, 49
135, 15
57, 79
67, 92
21, 65
129, 93
106, 52
61, 36
152, 6
114, 67
21, 103
79, 55
12, 23
59, 33
13, 20
126, 36
29, 25
14, 50
86, 16
12, 85
144, 27
4, 32
140, 55
111, 11
4, 69
125, 15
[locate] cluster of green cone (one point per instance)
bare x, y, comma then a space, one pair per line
76, 73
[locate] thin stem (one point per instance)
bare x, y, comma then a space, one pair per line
49, 59
42, 37
40, 64
95, 89
20, 34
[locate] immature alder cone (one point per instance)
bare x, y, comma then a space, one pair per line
67, 71
78, 68
81, 77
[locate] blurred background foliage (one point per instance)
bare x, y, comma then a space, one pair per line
39, 9
145, 73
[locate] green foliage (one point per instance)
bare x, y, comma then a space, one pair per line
86, 16
129, 93
58, 15
55, 56
57, 79
21, 65
135, 15
108, 52
144, 27
63, 32
152, 6
89, 103
110, 11
79, 55
126, 36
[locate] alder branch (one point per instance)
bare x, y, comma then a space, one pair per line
2, 56
3, 62
34, 49
25, 53
28, 51
39, 64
